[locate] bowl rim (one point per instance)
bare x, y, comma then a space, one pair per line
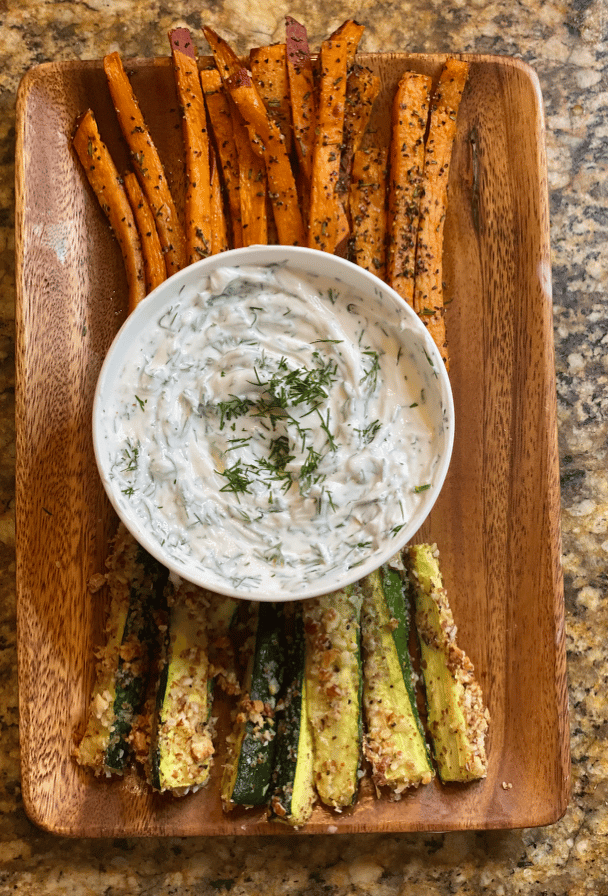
264, 255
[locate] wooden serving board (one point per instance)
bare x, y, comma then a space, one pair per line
497, 521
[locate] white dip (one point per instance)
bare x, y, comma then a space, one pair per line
271, 428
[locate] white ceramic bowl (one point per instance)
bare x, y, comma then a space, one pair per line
210, 535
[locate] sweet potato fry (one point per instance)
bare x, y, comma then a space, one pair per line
269, 74
196, 145
362, 88
266, 141
148, 165
108, 188
367, 206
220, 118
409, 121
154, 263
428, 285
349, 33
325, 208
226, 60
252, 185
302, 94
242, 91
219, 230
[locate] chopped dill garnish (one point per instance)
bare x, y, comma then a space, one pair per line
309, 467
238, 443
371, 375
130, 457
234, 407
325, 427
291, 388
280, 391
237, 477
280, 452
369, 433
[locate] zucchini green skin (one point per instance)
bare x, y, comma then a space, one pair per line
221, 616
456, 716
139, 642
182, 744
293, 793
334, 683
136, 613
395, 743
248, 771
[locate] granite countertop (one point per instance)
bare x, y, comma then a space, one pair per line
567, 44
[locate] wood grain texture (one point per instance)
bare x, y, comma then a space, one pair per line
497, 520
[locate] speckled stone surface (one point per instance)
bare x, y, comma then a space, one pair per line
567, 43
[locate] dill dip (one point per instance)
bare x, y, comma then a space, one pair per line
271, 427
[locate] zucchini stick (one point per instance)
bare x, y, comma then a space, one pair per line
428, 284
107, 185
395, 743
221, 614
148, 165
199, 235
293, 792
248, 770
409, 120
181, 752
136, 615
154, 263
457, 719
334, 692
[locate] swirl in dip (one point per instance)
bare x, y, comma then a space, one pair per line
271, 426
